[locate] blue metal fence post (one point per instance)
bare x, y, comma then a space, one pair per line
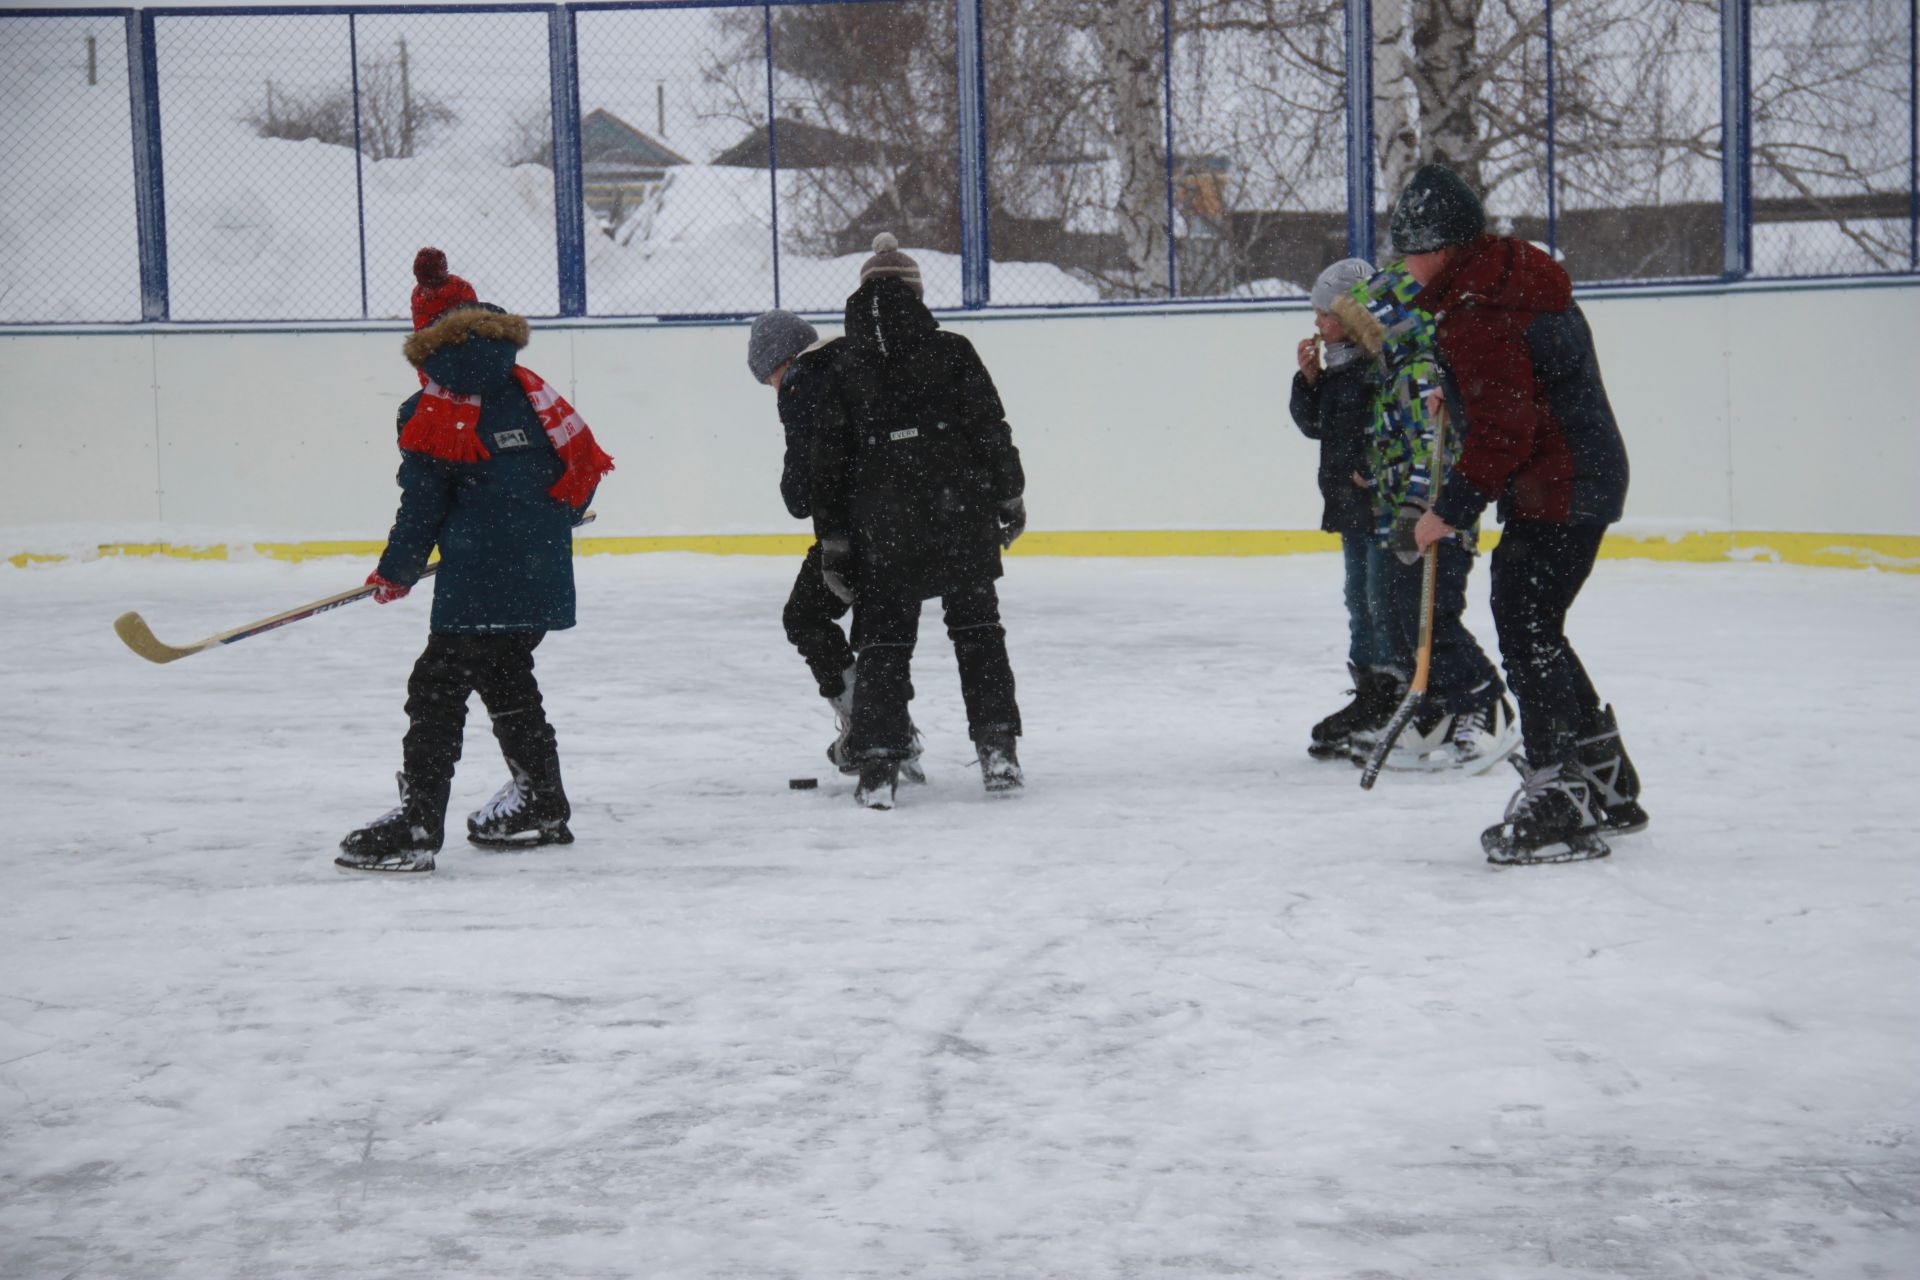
976, 281
569, 194
1360, 129
1913, 135
149, 181
359, 151
1736, 124
773, 154
1553, 193
1166, 76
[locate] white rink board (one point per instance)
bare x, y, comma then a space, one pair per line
1786, 410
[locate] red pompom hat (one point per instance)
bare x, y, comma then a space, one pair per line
436, 289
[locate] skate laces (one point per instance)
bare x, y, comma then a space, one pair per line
505, 801
1532, 789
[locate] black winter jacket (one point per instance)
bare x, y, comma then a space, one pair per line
798, 398
1336, 410
914, 455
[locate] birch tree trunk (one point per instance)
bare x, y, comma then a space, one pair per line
1128, 33
1396, 127
1447, 78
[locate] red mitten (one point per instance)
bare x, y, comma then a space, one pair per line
385, 592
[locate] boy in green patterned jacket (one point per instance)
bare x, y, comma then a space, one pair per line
1468, 722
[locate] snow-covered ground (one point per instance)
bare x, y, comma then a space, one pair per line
1192, 1006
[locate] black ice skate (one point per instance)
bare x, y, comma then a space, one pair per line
525, 813
1475, 740
878, 778
1375, 695
1554, 817
1603, 762
999, 764
910, 770
404, 839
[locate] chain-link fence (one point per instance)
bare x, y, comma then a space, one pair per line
68, 250
676, 158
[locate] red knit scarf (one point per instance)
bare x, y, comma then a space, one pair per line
445, 425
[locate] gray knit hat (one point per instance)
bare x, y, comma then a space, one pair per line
887, 260
1436, 209
1338, 279
777, 337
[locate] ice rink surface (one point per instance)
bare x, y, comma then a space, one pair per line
1192, 1006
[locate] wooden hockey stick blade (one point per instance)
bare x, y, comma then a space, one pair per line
1402, 716
139, 637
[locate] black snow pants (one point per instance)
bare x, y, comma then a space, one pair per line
1460, 673
499, 667
812, 619
888, 625
1538, 569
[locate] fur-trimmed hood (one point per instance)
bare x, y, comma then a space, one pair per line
462, 322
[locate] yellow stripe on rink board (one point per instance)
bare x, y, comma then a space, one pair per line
1896, 553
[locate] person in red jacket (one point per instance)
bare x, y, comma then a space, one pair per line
1519, 366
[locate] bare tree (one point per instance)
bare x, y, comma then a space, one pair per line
395, 121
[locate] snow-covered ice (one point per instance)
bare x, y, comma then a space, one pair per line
1192, 1006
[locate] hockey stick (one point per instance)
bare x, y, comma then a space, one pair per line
1423, 661
139, 637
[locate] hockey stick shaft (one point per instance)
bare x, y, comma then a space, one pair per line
138, 636
1423, 659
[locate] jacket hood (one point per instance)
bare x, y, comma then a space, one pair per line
469, 320
886, 319
1500, 273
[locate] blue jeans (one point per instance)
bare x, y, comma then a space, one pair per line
1373, 641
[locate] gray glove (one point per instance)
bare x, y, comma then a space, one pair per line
836, 567
1013, 520
1400, 540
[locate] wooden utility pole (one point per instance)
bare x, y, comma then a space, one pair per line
660, 107
93, 63
406, 104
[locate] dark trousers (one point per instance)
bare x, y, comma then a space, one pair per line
1538, 569
499, 667
812, 619
888, 625
1460, 667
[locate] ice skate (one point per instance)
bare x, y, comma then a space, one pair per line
1375, 695
404, 839
878, 778
523, 814
999, 764
1603, 762
1475, 740
1554, 817
842, 704
839, 756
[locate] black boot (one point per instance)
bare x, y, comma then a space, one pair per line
530, 810
1602, 760
878, 778
406, 838
999, 763
1349, 732
1554, 817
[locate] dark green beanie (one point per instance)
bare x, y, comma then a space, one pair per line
1436, 209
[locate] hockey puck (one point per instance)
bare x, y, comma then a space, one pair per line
802, 784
